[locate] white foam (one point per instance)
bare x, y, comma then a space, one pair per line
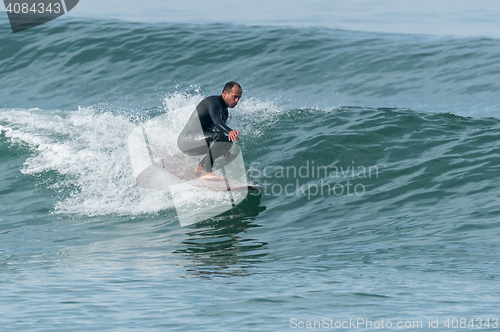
90, 149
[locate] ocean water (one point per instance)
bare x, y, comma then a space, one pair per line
378, 155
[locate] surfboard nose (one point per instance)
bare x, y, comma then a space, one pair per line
152, 178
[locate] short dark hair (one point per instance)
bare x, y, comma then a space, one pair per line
229, 86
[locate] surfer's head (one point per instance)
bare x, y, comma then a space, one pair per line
231, 93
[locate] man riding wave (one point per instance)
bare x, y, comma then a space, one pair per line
206, 132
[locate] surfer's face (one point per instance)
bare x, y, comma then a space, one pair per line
232, 98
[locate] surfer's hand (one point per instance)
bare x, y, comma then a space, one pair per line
233, 135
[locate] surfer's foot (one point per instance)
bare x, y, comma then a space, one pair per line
210, 176
198, 169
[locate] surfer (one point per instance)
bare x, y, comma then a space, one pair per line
206, 132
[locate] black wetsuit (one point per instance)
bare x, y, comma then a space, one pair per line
206, 132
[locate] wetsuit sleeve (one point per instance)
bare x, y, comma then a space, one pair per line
219, 123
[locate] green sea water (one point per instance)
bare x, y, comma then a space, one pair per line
378, 157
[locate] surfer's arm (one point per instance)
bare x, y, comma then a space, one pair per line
219, 124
